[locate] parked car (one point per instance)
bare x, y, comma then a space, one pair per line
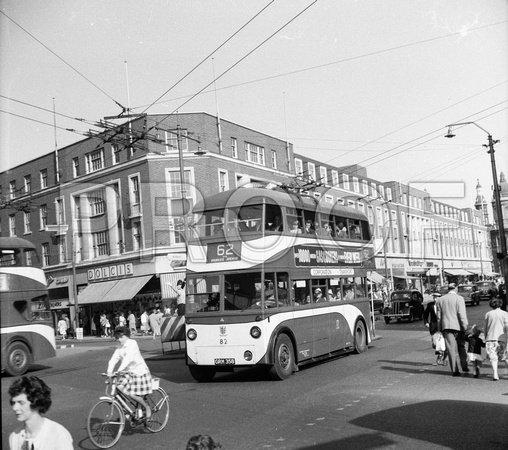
485, 290
468, 293
404, 304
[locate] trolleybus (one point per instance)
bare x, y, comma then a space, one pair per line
26, 336
275, 278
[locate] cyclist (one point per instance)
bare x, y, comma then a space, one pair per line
136, 381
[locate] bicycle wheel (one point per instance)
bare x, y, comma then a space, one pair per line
158, 402
106, 422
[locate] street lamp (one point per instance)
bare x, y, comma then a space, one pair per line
441, 272
497, 195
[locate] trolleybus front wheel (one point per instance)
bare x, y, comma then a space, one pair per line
284, 359
202, 373
17, 359
360, 337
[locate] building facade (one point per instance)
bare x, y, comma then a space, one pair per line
109, 213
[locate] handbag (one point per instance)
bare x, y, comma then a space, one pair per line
438, 342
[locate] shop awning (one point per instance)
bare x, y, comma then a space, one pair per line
457, 272
376, 277
126, 289
406, 277
95, 292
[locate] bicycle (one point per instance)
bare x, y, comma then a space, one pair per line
106, 420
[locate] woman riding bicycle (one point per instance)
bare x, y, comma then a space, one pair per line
136, 380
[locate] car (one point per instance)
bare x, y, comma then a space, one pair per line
485, 290
378, 305
468, 293
404, 304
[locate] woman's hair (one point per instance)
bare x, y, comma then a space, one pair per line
122, 331
37, 392
202, 442
496, 303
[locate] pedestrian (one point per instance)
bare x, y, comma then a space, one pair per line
496, 332
135, 379
474, 349
155, 325
30, 399
180, 294
202, 442
62, 327
144, 323
104, 325
131, 318
97, 322
167, 311
430, 321
452, 322
121, 320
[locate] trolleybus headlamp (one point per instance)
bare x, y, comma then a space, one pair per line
191, 334
407, 305
247, 355
255, 332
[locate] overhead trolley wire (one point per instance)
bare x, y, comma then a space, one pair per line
207, 57
63, 60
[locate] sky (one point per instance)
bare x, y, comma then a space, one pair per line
369, 82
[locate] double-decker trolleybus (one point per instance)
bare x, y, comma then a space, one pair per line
27, 336
275, 278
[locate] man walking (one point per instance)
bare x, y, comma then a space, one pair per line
452, 322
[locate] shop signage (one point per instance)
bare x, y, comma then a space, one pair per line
55, 304
106, 272
332, 272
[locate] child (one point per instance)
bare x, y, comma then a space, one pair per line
474, 350
438, 342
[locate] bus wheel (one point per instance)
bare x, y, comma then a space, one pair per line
18, 359
284, 359
202, 373
360, 337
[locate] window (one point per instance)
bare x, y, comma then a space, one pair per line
356, 185
382, 191
172, 140
100, 243
135, 196
223, 181
234, 148
274, 159
94, 161
75, 167
365, 187
254, 154
60, 212
298, 166
45, 254
175, 192
311, 170
12, 225
96, 201
43, 215
28, 184
62, 249
26, 221
115, 148
373, 188
12, 189
388, 194
323, 176
44, 178
335, 177
345, 181
136, 235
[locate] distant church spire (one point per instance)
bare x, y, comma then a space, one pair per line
480, 204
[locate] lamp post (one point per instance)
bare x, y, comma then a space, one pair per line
480, 252
441, 272
497, 195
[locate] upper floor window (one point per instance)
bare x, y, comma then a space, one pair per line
172, 140
311, 170
75, 167
28, 183
254, 154
43, 211
356, 185
388, 194
373, 189
335, 177
234, 148
223, 181
382, 191
274, 159
100, 243
298, 166
60, 211
12, 188
26, 216
44, 178
345, 181
323, 175
365, 187
45, 254
94, 161
12, 225
97, 204
134, 191
115, 149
